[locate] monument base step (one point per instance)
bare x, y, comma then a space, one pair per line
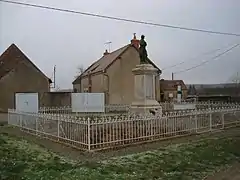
147, 106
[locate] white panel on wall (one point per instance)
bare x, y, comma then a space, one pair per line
88, 102
27, 102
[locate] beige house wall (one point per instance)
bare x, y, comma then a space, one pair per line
121, 78
167, 92
118, 81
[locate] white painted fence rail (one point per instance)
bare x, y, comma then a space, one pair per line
169, 106
92, 133
113, 108
124, 108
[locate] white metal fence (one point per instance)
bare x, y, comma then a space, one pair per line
97, 133
169, 106
114, 109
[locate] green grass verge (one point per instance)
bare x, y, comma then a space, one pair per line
20, 159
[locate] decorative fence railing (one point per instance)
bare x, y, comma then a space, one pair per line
169, 106
98, 133
113, 109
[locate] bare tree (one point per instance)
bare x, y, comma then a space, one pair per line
80, 70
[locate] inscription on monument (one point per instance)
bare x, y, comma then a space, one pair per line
149, 86
139, 84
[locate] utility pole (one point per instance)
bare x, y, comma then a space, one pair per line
172, 76
54, 76
108, 44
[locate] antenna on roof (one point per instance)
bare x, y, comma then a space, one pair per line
109, 44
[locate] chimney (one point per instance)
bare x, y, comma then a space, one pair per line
135, 41
106, 52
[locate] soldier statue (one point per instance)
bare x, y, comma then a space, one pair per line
142, 51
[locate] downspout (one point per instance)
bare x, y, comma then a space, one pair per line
106, 91
80, 83
89, 83
158, 88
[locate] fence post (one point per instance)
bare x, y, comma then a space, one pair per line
21, 120
36, 124
223, 120
210, 120
58, 126
89, 134
196, 121
151, 126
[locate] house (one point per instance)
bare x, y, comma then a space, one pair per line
112, 74
19, 74
169, 89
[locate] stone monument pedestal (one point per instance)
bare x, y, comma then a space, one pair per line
144, 90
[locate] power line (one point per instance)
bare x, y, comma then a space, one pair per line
177, 64
204, 62
203, 54
120, 19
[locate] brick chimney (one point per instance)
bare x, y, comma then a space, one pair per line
135, 41
106, 52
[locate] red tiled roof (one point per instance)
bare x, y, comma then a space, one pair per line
10, 59
171, 85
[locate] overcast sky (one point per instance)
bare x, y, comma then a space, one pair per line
67, 40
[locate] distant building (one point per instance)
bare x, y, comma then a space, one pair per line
215, 92
168, 89
229, 89
19, 74
192, 92
112, 75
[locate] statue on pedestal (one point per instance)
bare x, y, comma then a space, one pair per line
142, 51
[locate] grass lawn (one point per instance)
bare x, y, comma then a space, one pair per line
20, 159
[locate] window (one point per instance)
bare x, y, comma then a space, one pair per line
85, 90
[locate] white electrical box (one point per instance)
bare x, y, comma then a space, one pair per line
88, 102
26, 102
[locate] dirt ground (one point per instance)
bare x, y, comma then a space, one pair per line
232, 173
3, 118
